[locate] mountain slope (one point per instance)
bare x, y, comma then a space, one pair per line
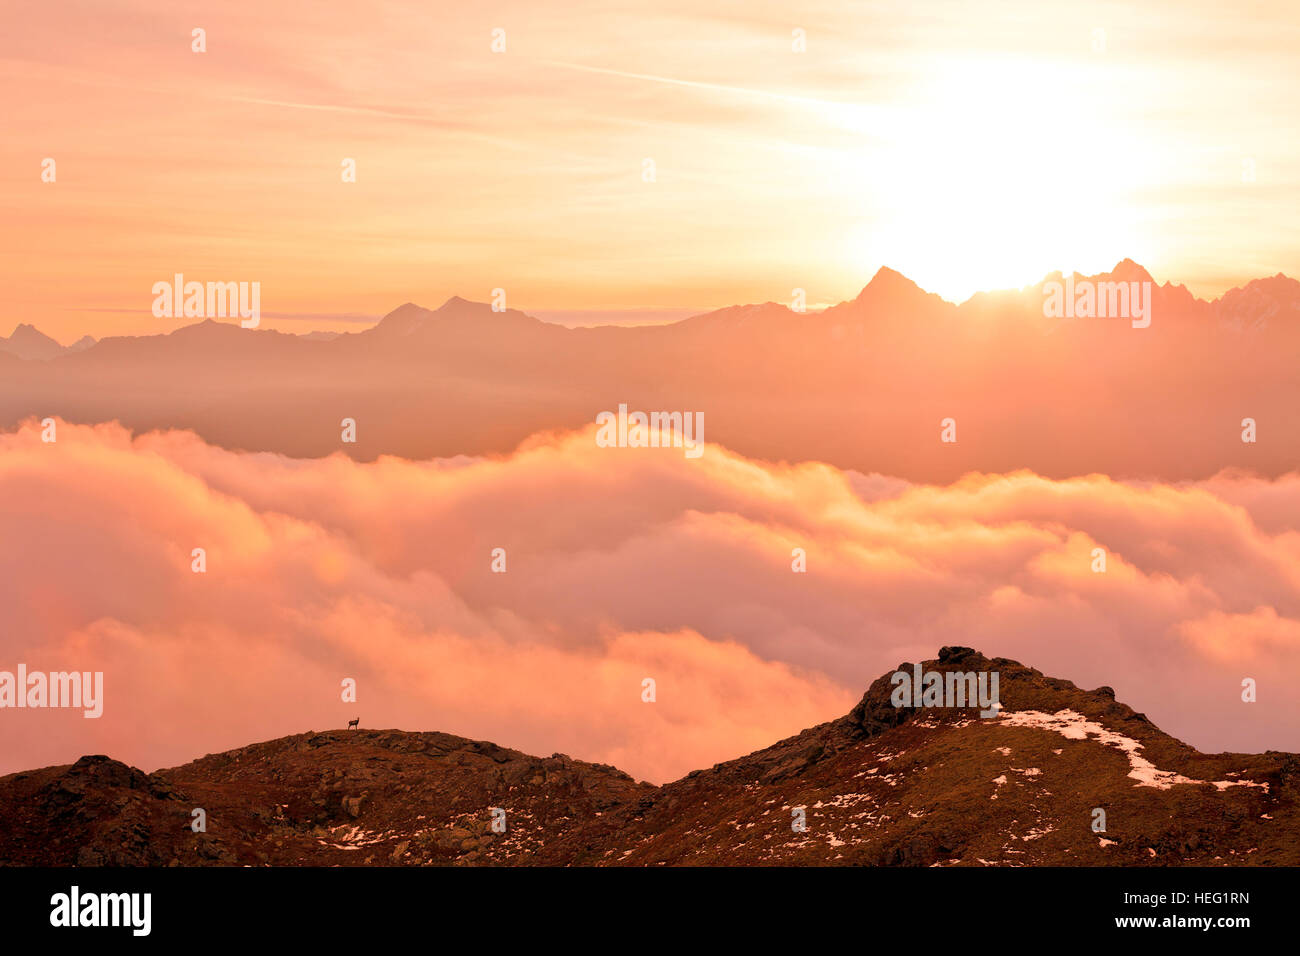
335, 798
28, 342
888, 786
879, 786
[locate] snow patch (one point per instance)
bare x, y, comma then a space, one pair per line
1075, 726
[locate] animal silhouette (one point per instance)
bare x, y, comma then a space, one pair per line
354, 723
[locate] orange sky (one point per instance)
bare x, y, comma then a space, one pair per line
967, 144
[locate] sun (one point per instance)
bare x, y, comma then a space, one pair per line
997, 174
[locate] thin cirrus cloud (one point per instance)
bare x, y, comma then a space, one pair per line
323, 569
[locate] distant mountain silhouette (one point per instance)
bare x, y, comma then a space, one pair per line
28, 342
863, 384
883, 785
1259, 302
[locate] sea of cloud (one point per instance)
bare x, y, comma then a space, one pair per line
621, 564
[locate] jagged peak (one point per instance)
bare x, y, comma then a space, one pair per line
27, 330
1131, 271
887, 280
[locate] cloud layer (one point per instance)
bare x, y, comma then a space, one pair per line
622, 564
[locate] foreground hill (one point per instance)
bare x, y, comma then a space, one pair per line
359, 797
887, 786
880, 786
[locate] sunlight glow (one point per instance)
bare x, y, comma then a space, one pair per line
1005, 171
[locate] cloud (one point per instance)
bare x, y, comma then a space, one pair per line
622, 564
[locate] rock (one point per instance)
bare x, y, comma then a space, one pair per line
794, 764
87, 856
451, 839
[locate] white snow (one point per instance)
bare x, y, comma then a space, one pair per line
999, 781
1075, 726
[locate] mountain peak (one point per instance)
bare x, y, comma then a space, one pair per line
893, 294
1126, 270
403, 320
889, 281
459, 306
1253, 305
27, 331
29, 342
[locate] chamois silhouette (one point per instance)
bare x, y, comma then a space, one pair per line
354, 723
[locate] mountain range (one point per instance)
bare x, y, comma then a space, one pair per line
29, 342
864, 384
1060, 776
